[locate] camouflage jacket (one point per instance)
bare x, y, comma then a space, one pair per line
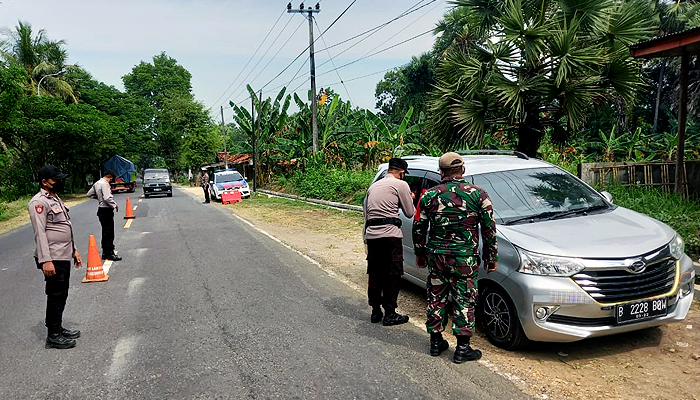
453, 210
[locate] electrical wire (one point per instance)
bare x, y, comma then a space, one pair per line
377, 52
247, 63
309, 46
333, 63
410, 10
243, 90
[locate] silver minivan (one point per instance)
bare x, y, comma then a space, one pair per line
572, 265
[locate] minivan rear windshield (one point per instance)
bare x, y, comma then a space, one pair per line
228, 177
537, 193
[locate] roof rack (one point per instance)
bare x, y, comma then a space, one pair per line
503, 152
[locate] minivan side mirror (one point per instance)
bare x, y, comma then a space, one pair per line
607, 196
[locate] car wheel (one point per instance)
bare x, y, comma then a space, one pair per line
145, 195
170, 195
499, 319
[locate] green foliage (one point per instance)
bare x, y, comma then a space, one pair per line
332, 184
548, 65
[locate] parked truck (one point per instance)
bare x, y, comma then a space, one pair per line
125, 172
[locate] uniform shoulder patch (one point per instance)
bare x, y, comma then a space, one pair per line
39, 208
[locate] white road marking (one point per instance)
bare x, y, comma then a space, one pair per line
140, 200
128, 224
106, 265
122, 351
134, 286
135, 207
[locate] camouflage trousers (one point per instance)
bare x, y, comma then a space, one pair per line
452, 292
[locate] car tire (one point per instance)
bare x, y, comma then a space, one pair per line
170, 195
145, 195
498, 318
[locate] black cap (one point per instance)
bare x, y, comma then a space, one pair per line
51, 172
398, 163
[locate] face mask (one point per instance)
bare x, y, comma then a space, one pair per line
58, 186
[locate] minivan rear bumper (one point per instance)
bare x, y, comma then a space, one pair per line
575, 315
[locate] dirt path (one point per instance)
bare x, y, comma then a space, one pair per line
656, 363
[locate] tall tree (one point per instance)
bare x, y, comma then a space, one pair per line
407, 87
166, 88
40, 57
532, 65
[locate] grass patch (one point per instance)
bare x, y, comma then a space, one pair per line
312, 217
681, 214
332, 184
14, 208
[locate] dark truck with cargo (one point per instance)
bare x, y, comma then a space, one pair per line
125, 174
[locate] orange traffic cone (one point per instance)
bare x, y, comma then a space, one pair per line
94, 273
129, 214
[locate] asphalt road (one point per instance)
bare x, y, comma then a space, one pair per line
205, 307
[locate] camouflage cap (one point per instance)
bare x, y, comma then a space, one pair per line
451, 160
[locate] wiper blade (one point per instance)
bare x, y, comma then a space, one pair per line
577, 211
543, 215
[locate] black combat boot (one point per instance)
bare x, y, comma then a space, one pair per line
393, 318
463, 352
437, 344
377, 315
57, 341
112, 257
69, 333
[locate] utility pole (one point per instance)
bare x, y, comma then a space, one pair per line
314, 105
223, 133
257, 140
253, 131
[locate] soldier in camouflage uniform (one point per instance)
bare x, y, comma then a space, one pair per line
452, 212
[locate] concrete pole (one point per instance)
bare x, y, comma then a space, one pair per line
314, 103
682, 116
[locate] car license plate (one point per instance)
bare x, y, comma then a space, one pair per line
632, 312
156, 190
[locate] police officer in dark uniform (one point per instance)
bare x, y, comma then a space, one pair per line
55, 248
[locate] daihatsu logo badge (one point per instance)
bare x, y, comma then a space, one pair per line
637, 267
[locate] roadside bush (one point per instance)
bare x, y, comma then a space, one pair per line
345, 186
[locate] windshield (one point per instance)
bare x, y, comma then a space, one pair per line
538, 193
227, 177
156, 175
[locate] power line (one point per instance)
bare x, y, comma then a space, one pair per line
246, 65
309, 46
333, 63
393, 36
410, 10
270, 61
243, 89
378, 52
364, 76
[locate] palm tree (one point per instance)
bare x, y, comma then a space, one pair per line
40, 57
534, 65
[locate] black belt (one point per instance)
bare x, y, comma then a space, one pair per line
384, 221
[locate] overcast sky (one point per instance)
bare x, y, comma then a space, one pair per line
215, 39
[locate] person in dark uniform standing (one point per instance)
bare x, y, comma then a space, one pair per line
55, 248
205, 186
105, 213
446, 240
383, 238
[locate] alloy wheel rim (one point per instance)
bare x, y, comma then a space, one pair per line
497, 314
